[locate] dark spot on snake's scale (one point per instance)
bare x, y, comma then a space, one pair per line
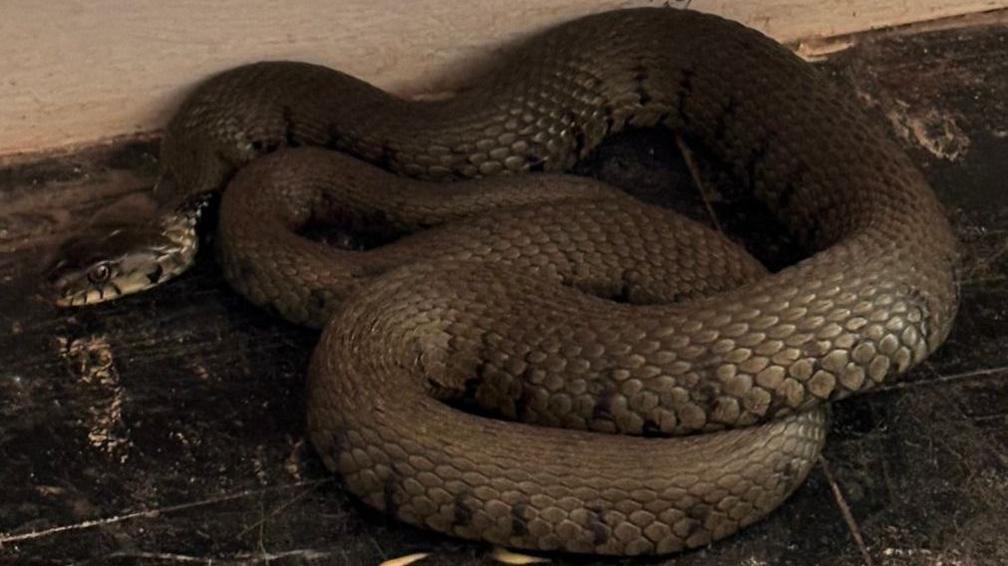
640, 76
707, 394
367, 272
155, 275
603, 405
334, 139
519, 524
580, 143
685, 89
622, 294
318, 299
386, 159
389, 494
462, 514
708, 362
726, 116
755, 160
817, 360
916, 297
814, 349
435, 389
536, 164
471, 385
785, 196
523, 401
607, 112
701, 512
246, 271
692, 527
811, 233
642, 96
339, 441
597, 525
289, 127
271, 309
267, 146
651, 429
788, 470
790, 188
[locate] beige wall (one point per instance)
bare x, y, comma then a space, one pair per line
74, 72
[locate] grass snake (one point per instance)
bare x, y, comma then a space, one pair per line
569, 309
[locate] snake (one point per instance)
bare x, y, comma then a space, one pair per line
534, 359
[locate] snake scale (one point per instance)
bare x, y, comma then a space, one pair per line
569, 309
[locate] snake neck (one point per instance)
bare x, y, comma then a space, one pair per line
181, 237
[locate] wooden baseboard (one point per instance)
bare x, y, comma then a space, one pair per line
79, 72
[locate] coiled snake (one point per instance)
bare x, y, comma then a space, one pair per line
555, 301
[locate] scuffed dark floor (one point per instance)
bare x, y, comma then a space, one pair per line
167, 427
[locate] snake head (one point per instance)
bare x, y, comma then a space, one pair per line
107, 262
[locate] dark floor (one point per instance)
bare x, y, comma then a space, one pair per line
168, 427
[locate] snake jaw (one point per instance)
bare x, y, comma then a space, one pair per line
109, 262
110, 279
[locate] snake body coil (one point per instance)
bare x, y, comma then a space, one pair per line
504, 302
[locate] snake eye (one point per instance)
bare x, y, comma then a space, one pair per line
99, 273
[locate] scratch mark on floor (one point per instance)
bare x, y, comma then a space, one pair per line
841, 502
7, 538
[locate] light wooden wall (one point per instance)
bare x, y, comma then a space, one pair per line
74, 72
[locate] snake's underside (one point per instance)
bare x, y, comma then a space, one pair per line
558, 303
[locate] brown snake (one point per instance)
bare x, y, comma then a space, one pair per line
507, 303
